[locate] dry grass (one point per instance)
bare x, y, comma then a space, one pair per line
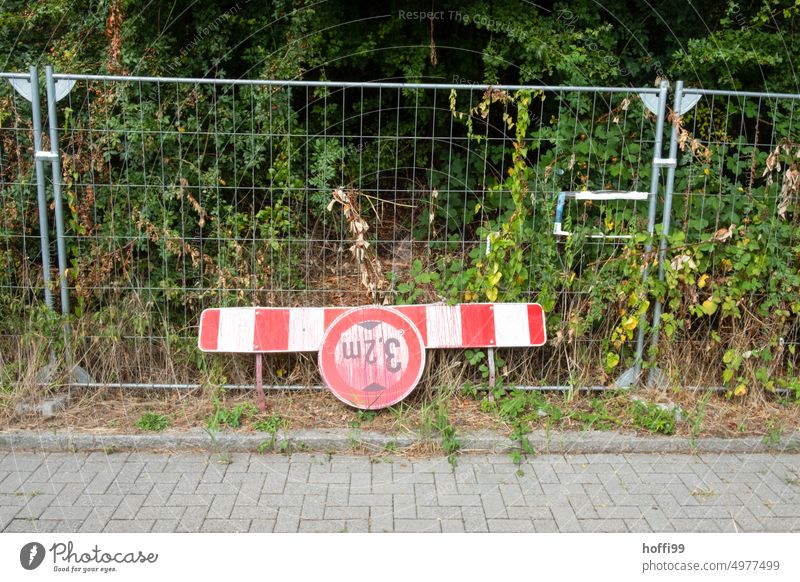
111, 351
116, 411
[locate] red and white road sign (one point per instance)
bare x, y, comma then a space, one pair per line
372, 357
301, 329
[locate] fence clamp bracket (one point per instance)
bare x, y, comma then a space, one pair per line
45, 156
665, 162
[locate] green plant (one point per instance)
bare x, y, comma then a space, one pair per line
231, 417
650, 416
272, 424
416, 286
774, 434
447, 432
696, 419
152, 421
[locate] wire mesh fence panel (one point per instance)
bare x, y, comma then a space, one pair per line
183, 194
733, 263
21, 275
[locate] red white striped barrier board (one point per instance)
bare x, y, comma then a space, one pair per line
301, 329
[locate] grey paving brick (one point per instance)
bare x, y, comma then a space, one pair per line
322, 526
278, 501
512, 494
34, 506
313, 507
328, 478
603, 525
638, 493
404, 506
438, 512
338, 494
369, 499
545, 526
221, 506
192, 519
107, 500
225, 526
510, 525
159, 513
620, 512
129, 507
166, 526
417, 525
383, 488
8, 513
462, 500
65, 512
28, 526
474, 519
522, 512
452, 526
185, 500
347, 512
445, 484
262, 525
493, 506
361, 483
381, 519
129, 526
256, 512
288, 520
565, 518
158, 494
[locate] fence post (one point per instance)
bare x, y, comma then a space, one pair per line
76, 373
679, 108
631, 377
44, 235
55, 164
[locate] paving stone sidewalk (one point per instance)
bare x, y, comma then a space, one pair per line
240, 492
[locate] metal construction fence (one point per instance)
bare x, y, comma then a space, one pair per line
168, 195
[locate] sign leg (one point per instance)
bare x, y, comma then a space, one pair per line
492, 375
262, 406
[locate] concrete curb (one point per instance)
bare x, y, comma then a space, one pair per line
359, 441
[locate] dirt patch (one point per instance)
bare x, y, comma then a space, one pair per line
698, 414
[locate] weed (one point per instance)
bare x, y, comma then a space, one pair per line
450, 444
30, 494
703, 493
225, 458
231, 417
774, 434
652, 417
696, 419
599, 418
152, 421
271, 424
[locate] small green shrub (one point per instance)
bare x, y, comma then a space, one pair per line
153, 422
652, 417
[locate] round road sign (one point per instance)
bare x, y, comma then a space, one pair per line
372, 357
